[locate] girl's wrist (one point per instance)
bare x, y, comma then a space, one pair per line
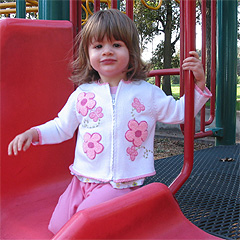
201, 84
34, 133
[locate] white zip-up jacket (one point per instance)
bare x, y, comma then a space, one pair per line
115, 139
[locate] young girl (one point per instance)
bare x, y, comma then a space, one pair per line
115, 112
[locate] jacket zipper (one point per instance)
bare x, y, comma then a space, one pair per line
113, 137
113, 125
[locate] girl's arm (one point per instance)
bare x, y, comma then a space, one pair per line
171, 111
195, 65
55, 131
22, 141
63, 126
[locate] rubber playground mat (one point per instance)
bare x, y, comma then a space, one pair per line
210, 197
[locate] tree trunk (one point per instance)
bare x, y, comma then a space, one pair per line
167, 52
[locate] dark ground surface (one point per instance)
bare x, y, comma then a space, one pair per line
169, 143
210, 196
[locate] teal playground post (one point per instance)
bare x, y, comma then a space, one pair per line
20, 8
53, 9
226, 85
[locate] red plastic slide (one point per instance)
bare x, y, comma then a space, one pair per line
150, 212
34, 66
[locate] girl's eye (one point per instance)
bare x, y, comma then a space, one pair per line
98, 46
117, 45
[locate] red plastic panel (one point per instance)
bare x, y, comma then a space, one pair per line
34, 87
34, 65
150, 212
26, 216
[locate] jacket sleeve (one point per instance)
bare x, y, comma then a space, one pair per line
171, 111
63, 126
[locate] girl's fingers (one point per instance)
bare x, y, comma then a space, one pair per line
190, 66
193, 58
20, 143
27, 144
194, 54
10, 149
14, 147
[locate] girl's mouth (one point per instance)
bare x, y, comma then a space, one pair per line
108, 61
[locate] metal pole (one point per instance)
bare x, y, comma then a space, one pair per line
21, 9
189, 11
73, 16
129, 8
96, 5
54, 10
115, 4
226, 71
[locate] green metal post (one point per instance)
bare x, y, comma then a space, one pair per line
21, 9
54, 9
226, 71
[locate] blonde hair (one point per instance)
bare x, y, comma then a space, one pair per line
114, 25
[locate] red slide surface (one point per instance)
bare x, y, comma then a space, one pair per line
34, 65
151, 212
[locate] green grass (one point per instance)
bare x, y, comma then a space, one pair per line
238, 97
176, 93
238, 92
175, 90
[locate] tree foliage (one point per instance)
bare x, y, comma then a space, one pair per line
166, 22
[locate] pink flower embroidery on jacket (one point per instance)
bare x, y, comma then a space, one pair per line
132, 151
137, 105
85, 101
96, 114
92, 145
138, 132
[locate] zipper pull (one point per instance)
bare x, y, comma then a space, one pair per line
113, 101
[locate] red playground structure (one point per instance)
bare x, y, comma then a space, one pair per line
35, 57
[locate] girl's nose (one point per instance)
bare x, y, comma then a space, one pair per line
107, 51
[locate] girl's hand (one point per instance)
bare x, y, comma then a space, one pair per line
195, 65
22, 141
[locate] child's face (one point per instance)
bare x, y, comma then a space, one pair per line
110, 58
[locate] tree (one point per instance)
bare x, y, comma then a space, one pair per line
169, 46
151, 23
145, 20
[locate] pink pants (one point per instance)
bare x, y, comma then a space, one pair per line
79, 196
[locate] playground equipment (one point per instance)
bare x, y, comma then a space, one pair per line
157, 7
11, 7
32, 183
225, 130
